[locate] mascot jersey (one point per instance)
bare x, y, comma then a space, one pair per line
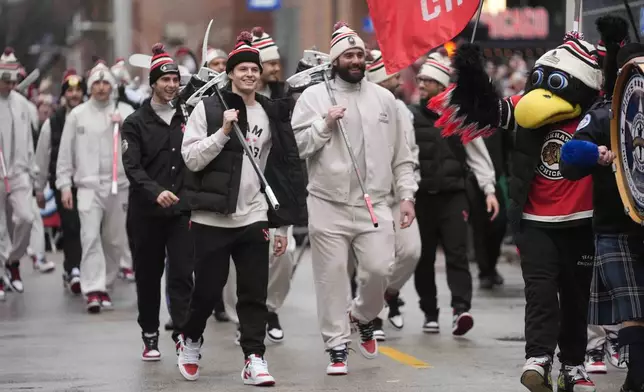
563, 84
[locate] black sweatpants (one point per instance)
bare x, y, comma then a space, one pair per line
153, 237
248, 247
443, 217
70, 224
488, 235
557, 266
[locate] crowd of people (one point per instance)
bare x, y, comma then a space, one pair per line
147, 185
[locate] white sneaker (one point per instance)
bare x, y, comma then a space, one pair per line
12, 278
595, 362
237, 336
431, 326
397, 321
339, 358
188, 359
537, 375
3, 295
43, 265
255, 372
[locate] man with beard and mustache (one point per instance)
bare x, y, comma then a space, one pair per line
157, 218
339, 222
442, 202
73, 89
407, 241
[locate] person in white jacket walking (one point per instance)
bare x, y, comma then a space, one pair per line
90, 155
339, 222
17, 171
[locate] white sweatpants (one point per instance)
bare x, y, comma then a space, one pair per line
280, 272
408, 246
597, 335
17, 215
37, 236
103, 237
335, 230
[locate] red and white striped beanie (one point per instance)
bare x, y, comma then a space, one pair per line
575, 57
268, 50
343, 39
9, 66
161, 64
438, 68
376, 72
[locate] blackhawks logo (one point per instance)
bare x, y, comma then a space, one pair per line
551, 153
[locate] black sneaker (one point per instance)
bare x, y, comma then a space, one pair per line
221, 317
338, 364
395, 317
497, 279
274, 331
574, 379
169, 326
150, 347
12, 277
486, 283
378, 331
431, 324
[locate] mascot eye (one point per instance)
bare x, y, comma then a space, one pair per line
557, 81
537, 77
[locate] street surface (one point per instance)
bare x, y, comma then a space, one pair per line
49, 343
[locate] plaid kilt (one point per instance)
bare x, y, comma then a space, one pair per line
617, 287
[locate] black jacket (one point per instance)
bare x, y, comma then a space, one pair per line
216, 187
443, 166
56, 123
608, 216
152, 160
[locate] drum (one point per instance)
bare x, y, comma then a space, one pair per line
627, 137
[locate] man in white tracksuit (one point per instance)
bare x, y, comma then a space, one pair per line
90, 154
408, 244
17, 172
339, 222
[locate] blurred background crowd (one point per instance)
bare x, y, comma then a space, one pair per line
53, 35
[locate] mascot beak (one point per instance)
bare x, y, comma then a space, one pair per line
541, 107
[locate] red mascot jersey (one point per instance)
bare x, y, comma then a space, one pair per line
552, 198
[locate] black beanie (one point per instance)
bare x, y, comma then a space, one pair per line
243, 53
161, 64
71, 78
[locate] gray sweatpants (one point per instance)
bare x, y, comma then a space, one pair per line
17, 215
408, 246
37, 235
334, 230
280, 272
103, 237
597, 335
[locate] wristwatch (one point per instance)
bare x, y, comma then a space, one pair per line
411, 199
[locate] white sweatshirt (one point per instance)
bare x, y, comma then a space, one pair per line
16, 139
478, 159
380, 145
199, 150
87, 147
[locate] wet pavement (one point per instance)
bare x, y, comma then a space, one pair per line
49, 343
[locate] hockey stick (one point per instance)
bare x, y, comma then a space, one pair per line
576, 25
115, 147
32, 77
354, 161
5, 175
267, 188
632, 19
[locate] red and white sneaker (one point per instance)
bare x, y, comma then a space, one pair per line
339, 357
368, 344
12, 277
93, 303
256, 373
42, 264
150, 347
3, 295
595, 362
106, 301
612, 351
462, 323
189, 356
126, 274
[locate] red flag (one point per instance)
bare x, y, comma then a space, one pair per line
408, 29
